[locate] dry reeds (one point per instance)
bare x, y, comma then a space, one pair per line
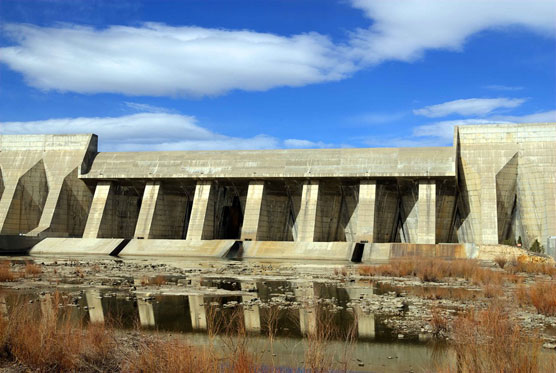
32, 269
435, 270
6, 274
489, 341
501, 261
173, 356
541, 295
48, 339
523, 266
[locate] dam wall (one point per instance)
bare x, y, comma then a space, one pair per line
496, 183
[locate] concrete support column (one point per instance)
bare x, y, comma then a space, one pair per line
252, 210
366, 211
426, 210
201, 222
102, 191
148, 206
489, 210
306, 218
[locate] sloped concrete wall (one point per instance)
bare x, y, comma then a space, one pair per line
491, 158
39, 176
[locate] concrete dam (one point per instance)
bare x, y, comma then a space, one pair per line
496, 183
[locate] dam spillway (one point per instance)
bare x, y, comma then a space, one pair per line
496, 183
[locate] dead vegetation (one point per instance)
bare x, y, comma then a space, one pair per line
490, 341
435, 270
47, 338
6, 273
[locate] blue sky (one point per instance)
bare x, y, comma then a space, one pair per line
188, 75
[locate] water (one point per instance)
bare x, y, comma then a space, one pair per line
211, 309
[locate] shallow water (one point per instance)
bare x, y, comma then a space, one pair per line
201, 306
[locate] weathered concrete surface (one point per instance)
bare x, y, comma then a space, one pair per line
59, 245
507, 177
291, 163
285, 202
193, 248
298, 250
252, 210
40, 189
383, 252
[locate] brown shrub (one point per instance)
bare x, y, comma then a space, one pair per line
489, 341
172, 356
542, 296
32, 269
524, 266
438, 323
501, 261
434, 270
46, 338
6, 273
158, 280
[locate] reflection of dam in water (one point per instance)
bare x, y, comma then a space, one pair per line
496, 183
255, 302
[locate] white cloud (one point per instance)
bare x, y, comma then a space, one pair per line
443, 131
305, 144
541, 117
470, 106
160, 60
499, 87
151, 131
405, 29
144, 131
146, 108
377, 118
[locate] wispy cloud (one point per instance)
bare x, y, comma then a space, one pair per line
152, 131
496, 87
146, 108
160, 60
470, 106
305, 144
443, 132
373, 118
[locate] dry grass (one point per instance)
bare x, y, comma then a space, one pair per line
541, 295
489, 341
6, 274
501, 261
172, 356
522, 266
438, 323
46, 339
32, 269
158, 280
435, 270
